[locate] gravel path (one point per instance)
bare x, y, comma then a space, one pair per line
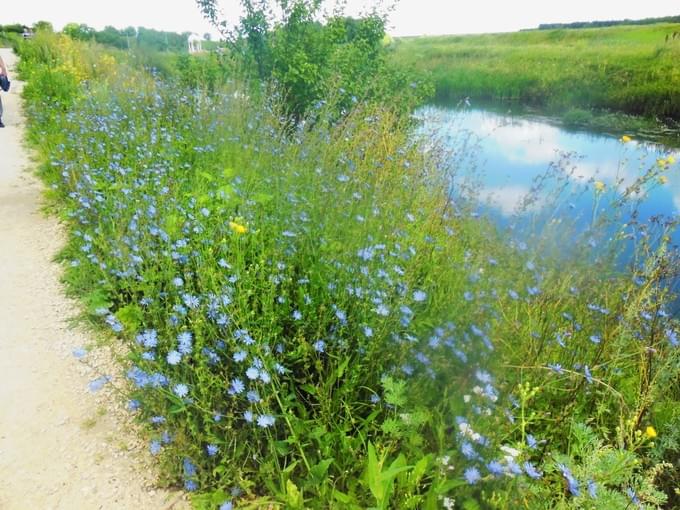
62, 445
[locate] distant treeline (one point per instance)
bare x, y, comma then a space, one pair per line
12, 29
140, 37
130, 37
611, 23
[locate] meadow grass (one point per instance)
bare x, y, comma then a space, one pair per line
9, 39
316, 318
630, 69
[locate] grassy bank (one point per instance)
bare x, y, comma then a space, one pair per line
315, 321
629, 69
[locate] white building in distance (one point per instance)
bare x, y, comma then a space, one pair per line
195, 43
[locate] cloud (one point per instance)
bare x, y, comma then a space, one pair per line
523, 141
508, 198
609, 172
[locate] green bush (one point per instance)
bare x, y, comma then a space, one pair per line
310, 61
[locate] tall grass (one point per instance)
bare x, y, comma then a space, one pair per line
315, 319
626, 68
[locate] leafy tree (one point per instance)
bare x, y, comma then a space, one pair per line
310, 57
43, 25
112, 37
81, 32
14, 29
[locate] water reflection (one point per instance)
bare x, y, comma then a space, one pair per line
513, 152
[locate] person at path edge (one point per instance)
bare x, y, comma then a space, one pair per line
3, 71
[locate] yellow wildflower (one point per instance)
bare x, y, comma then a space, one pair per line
650, 432
661, 162
670, 160
626, 139
599, 186
237, 227
663, 179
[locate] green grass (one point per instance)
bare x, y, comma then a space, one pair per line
8, 39
390, 345
630, 69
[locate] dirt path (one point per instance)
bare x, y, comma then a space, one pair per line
62, 445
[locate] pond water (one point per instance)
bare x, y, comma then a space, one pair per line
513, 152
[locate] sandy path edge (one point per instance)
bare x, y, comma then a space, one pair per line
61, 446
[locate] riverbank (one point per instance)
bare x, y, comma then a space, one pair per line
310, 315
627, 69
65, 439
613, 124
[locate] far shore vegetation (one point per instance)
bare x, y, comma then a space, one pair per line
578, 74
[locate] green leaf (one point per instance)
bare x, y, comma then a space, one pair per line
395, 391
340, 371
209, 500
392, 427
131, 316
263, 198
178, 408
318, 471
309, 388
397, 466
225, 191
471, 504
420, 469
282, 447
294, 496
290, 467
204, 199
373, 468
343, 498
96, 299
173, 225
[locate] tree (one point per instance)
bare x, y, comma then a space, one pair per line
308, 56
43, 26
81, 32
112, 37
15, 29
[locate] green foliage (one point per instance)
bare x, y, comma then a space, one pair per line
627, 69
336, 273
160, 40
59, 89
604, 478
79, 31
8, 39
207, 72
610, 23
17, 28
139, 39
379, 480
310, 60
11, 34
113, 37
43, 26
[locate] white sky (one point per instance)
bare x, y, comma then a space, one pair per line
411, 17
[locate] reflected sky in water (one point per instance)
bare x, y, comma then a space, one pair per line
513, 151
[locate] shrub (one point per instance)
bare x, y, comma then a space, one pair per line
310, 58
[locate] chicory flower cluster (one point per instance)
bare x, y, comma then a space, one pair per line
275, 285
